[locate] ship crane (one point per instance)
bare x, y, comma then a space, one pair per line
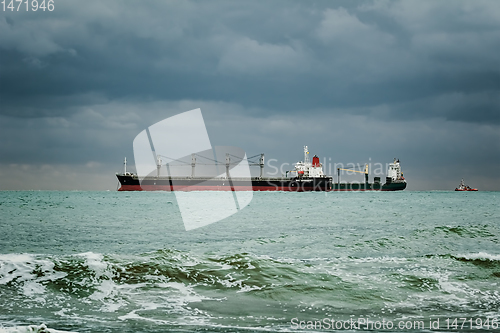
228, 162
365, 172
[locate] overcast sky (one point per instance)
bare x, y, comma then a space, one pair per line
356, 81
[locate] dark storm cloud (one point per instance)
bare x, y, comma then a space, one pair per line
77, 84
280, 55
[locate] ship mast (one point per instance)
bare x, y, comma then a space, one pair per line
306, 156
125, 166
193, 164
158, 166
261, 164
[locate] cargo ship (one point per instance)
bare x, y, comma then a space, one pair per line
307, 176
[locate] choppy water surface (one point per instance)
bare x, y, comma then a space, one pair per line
122, 262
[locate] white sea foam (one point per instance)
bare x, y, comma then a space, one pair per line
31, 329
107, 290
15, 266
95, 263
172, 298
186, 293
481, 256
21, 268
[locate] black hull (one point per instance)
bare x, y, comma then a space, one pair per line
132, 183
394, 186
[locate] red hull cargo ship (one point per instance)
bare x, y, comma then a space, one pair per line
307, 176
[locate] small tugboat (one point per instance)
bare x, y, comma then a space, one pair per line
463, 187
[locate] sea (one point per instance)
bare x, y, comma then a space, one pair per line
79, 261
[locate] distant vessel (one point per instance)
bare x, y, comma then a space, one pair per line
463, 187
307, 176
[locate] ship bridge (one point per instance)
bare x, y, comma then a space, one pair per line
307, 169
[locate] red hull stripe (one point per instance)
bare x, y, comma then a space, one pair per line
225, 188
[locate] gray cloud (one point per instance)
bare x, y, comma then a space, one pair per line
77, 84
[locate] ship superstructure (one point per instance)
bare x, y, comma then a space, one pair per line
307, 169
394, 173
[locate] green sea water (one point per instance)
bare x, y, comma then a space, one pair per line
288, 262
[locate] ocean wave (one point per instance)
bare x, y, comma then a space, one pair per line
168, 286
109, 280
95, 276
482, 260
31, 329
469, 257
472, 231
482, 256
